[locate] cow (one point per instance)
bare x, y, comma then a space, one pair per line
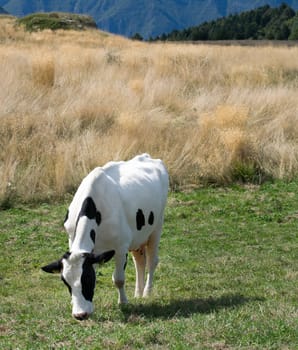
118, 208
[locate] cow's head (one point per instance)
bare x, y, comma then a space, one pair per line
77, 273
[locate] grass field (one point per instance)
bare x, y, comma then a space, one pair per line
227, 278
75, 100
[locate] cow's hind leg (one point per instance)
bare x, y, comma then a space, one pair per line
139, 259
151, 260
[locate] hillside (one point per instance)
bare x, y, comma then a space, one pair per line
2, 11
265, 22
149, 18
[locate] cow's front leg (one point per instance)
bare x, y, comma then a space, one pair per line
119, 277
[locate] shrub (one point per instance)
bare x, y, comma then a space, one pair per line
55, 21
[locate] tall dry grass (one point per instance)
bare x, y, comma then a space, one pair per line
71, 101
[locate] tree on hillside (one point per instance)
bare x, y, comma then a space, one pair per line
294, 28
137, 36
262, 23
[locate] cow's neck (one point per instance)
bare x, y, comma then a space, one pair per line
82, 241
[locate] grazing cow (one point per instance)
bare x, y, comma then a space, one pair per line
117, 208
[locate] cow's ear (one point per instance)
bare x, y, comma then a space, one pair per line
53, 267
101, 258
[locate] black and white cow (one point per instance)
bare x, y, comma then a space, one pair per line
117, 208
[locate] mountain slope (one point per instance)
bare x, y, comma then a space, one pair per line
265, 22
149, 18
2, 11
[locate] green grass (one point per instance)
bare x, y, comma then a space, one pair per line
227, 278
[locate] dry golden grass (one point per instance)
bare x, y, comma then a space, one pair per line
73, 100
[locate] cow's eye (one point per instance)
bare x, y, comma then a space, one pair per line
67, 285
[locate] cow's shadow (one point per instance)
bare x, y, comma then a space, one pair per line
184, 307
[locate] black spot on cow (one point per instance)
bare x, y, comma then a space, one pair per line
66, 255
66, 216
92, 235
125, 264
89, 209
88, 280
151, 218
98, 218
140, 219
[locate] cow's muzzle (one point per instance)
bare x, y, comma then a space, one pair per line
81, 316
